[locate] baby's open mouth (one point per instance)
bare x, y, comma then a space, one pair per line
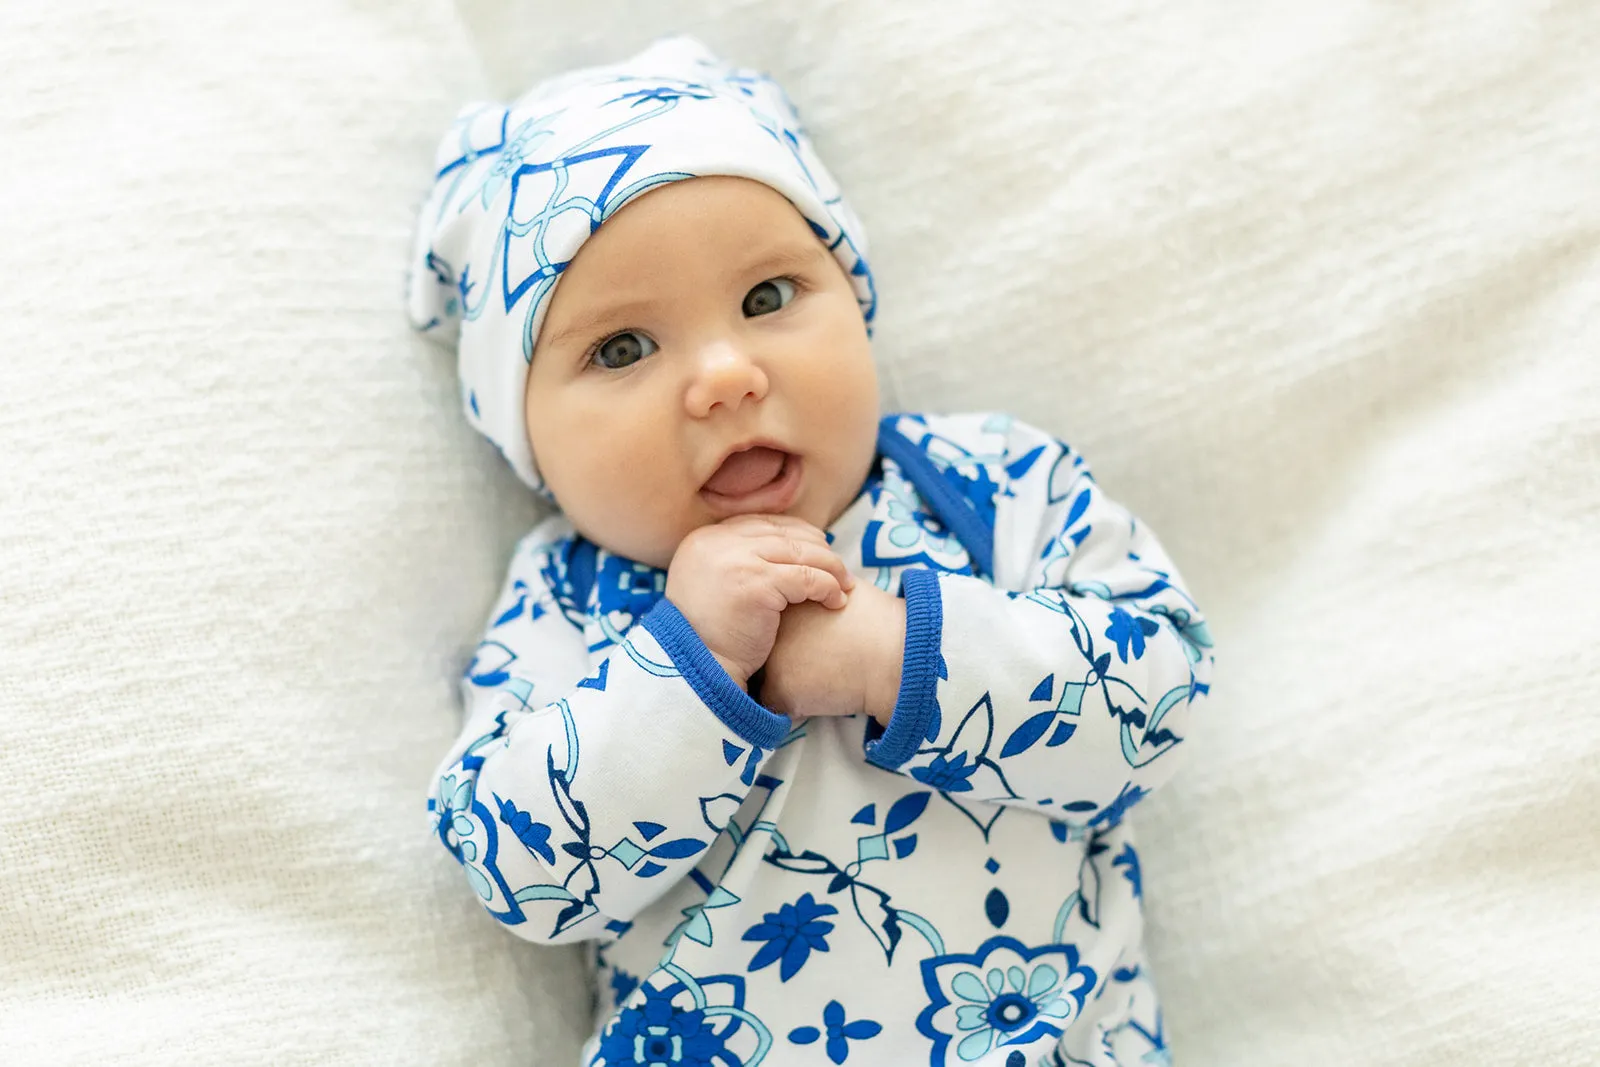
754, 480
744, 472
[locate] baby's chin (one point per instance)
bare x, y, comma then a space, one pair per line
653, 544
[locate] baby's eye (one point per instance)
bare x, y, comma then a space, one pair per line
768, 297
622, 350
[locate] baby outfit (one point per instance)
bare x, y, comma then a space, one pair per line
958, 887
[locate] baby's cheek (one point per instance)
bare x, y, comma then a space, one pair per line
648, 513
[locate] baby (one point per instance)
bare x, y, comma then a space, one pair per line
820, 728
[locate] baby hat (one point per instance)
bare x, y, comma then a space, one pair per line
518, 189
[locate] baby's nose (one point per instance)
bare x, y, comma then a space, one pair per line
724, 374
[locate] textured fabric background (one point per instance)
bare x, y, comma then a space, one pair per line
1316, 288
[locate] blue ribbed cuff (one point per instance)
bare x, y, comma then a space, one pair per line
914, 708
709, 681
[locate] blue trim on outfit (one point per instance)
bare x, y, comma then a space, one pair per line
711, 683
953, 509
580, 571
917, 704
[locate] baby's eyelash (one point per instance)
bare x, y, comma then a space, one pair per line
589, 362
599, 342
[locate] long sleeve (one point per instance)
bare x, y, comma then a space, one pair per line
1066, 686
584, 784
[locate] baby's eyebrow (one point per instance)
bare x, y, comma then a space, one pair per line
786, 257
585, 326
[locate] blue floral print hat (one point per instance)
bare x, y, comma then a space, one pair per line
518, 189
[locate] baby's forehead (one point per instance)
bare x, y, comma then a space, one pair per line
681, 218
717, 233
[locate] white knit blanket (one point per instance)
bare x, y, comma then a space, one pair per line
1315, 287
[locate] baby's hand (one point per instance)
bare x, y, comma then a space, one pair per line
844, 662
733, 579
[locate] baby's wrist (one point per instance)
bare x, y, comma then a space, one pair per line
884, 656
740, 678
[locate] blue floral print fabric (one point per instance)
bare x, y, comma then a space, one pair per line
957, 888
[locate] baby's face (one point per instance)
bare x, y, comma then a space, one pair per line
701, 322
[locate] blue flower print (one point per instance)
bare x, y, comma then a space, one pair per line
1113, 812
452, 807
659, 1034
628, 587
457, 828
1129, 633
790, 934
535, 835
946, 775
910, 524
512, 155
666, 93
912, 527
840, 1033
1129, 860
622, 986
902, 532
1002, 994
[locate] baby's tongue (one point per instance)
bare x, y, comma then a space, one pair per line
745, 472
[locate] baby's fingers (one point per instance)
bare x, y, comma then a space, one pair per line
776, 526
786, 550
799, 583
